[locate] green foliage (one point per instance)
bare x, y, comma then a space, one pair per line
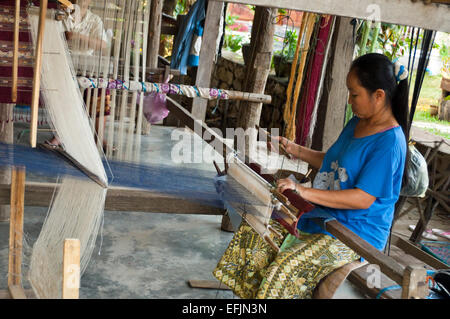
445, 56
430, 95
436, 131
389, 39
181, 7
230, 20
233, 42
392, 40
289, 45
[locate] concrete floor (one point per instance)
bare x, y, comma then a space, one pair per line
147, 255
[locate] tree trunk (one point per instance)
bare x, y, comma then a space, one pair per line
261, 47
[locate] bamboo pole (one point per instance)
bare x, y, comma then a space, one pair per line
179, 89
37, 74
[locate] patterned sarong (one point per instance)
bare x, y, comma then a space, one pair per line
252, 269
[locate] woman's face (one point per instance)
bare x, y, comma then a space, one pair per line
84, 4
364, 104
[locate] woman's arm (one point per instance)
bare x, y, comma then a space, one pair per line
312, 157
92, 42
341, 199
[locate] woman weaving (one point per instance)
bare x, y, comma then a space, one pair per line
358, 183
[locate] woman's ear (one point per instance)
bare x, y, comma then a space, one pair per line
380, 96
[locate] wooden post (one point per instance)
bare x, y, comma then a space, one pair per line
154, 35
6, 136
154, 32
71, 269
414, 283
207, 56
331, 112
16, 226
37, 74
258, 69
15, 65
16, 292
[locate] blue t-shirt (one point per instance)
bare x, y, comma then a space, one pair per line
373, 164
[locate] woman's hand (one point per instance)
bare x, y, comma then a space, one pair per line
312, 157
69, 35
286, 183
280, 144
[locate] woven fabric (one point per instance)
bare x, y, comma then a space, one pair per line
26, 55
439, 249
252, 269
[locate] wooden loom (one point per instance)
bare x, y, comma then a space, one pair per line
411, 278
388, 266
17, 223
70, 247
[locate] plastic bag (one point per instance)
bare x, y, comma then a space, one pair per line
417, 175
154, 108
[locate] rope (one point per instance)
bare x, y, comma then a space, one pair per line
382, 291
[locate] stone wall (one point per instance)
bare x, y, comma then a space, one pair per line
229, 73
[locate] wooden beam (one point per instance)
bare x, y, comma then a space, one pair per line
6, 136
17, 292
71, 269
419, 14
414, 284
15, 65
16, 226
207, 56
411, 249
37, 74
118, 199
208, 284
334, 102
360, 278
387, 264
154, 33
6, 294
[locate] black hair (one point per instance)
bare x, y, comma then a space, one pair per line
375, 71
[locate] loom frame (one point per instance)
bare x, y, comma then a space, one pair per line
410, 277
71, 248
